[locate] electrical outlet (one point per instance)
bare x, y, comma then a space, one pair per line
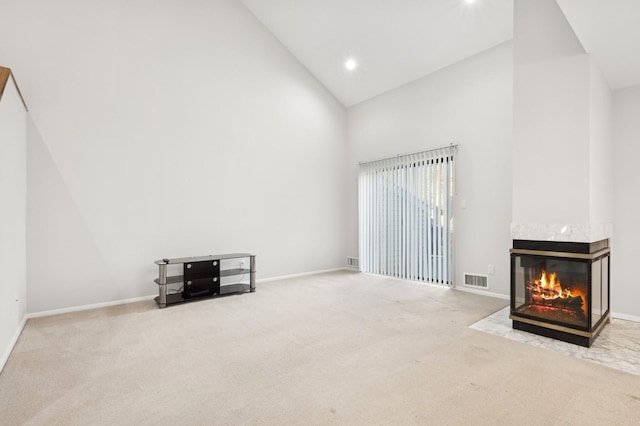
491, 269
242, 264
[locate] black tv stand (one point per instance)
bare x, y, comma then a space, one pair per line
201, 278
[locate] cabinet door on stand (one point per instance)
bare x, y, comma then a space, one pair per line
201, 278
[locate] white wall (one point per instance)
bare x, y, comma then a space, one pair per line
562, 140
551, 118
468, 103
551, 141
165, 129
601, 166
541, 32
13, 205
625, 290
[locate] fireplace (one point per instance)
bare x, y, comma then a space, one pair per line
560, 289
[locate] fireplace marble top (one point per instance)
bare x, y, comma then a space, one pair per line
578, 233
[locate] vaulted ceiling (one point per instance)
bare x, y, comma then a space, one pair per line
610, 31
398, 41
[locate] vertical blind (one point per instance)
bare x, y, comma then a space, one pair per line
406, 216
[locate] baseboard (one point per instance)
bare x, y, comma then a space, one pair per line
303, 274
12, 343
483, 293
143, 298
633, 318
88, 307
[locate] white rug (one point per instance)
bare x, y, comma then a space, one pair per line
617, 346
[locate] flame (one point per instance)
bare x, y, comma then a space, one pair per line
548, 287
552, 283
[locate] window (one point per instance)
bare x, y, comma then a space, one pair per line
406, 216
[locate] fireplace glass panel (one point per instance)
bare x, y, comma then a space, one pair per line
552, 290
596, 291
605, 285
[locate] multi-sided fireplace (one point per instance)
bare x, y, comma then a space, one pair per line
560, 289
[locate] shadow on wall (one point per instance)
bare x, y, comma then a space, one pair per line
64, 265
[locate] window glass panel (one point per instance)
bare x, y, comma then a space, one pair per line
405, 216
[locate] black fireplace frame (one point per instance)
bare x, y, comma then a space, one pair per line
572, 251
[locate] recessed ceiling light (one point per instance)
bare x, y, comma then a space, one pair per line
351, 64
470, 1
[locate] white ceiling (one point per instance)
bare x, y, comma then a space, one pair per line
398, 41
610, 31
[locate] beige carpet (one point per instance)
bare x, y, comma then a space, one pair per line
339, 348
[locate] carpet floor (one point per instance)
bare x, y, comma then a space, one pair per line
336, 348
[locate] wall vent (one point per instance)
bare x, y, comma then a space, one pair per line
476, 280
352, 262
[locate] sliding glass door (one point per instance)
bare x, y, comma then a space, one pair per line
406, 216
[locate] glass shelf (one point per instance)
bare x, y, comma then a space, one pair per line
179, 279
